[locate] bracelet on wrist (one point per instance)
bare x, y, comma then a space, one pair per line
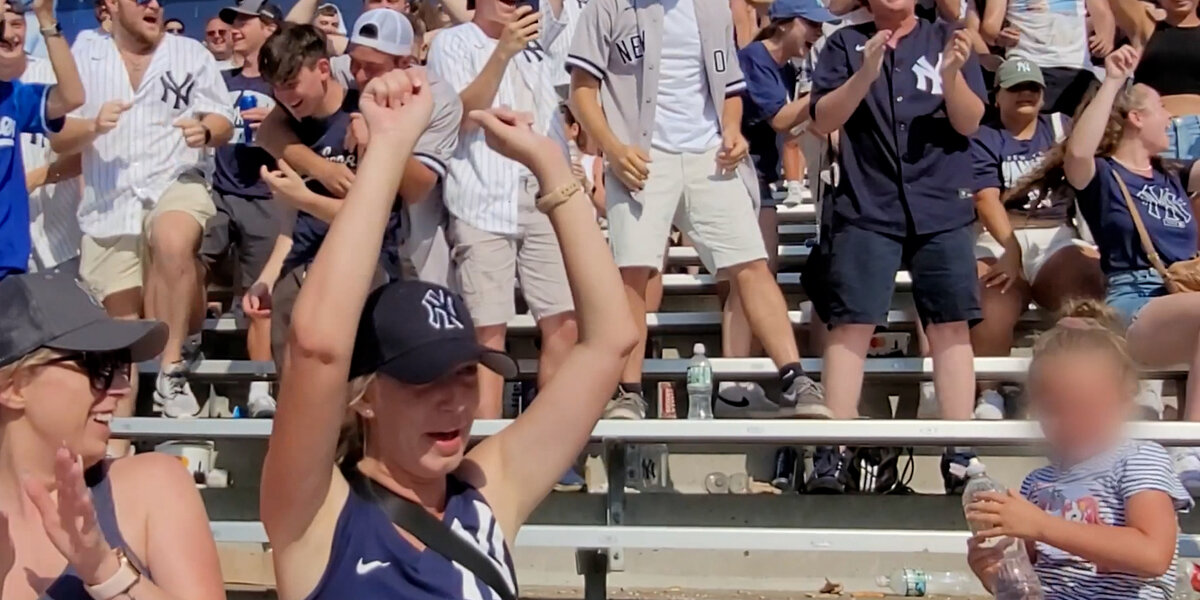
558, 197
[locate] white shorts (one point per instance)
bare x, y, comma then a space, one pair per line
714, 210
1037, 244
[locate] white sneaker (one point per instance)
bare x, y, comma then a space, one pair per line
927, 406
989, 406
260, 404
795, 193
1187, 466
173, 394
1149, 400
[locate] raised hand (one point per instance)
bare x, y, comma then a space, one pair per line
873, 52
110, 113
956, 52
1121, 63
397, 103
511, 134
195, 134
44, 11
70, 520
516, 35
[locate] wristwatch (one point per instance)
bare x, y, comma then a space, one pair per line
126, 577
52, 30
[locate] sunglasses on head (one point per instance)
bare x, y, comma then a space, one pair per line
101, 367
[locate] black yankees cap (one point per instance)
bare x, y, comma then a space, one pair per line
417, 332
44, 310
254, 8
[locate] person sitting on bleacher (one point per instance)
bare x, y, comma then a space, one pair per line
73, 525
1100, 521
658, 86
903, 200
340, 504
1029, 248
1112, 162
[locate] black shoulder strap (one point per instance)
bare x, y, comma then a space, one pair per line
414, 519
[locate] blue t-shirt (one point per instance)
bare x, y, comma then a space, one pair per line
1001, 160
769, 88
1095, 492
370, 559
1162, 202
22, 110
904, 167
238, 164
327, 137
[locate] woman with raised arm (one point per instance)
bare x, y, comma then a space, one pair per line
406, 384
1113, 152
74, 526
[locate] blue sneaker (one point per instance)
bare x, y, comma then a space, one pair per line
571, 481
828, 474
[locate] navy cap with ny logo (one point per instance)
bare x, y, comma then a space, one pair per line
418, 332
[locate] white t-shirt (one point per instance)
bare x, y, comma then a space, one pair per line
685, 119
1053, 32
53, 226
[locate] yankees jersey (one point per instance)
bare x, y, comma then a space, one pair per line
22, 110
237, 164
904, 167
1001, 160
126, 170
1096, 492
53, 226
370, 559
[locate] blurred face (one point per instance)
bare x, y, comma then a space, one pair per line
799, 35
142, 22
70, 398
327, 24
249, 33
1023, 99
892, 9
100, 11
12, 47
174, 27
1179, 8
421, 430
302, 95
1150, 119
396, 5
1081, 402
217, 38
369, 63
500, 11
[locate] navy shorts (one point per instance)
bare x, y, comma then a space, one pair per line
859, 276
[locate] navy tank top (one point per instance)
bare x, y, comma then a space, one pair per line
370, 559
68, 586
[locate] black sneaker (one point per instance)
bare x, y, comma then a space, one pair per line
954, 469
876, 471
828, 474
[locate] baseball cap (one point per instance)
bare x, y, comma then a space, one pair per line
417, 332
809, 10
54, 311
1018, 70
385, 30
254, 8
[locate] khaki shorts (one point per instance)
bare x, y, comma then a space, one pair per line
112, 264
714, 210
489, 264
1037, 244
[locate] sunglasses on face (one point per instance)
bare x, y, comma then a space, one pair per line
101, 367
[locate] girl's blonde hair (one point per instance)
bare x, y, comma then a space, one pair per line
9, 372
1087, 326
352, 440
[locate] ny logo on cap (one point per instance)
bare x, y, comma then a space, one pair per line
439, 305
1023, 67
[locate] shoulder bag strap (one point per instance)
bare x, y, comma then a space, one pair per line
1147, 243
436, 536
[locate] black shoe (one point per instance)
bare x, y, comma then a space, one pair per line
876, 471
789, 470
954, 469
829, 471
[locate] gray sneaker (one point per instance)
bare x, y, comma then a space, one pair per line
748, 400
804, 399
173, 394
629, 406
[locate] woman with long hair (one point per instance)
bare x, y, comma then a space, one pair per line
1115, 150
407, 386
74, 526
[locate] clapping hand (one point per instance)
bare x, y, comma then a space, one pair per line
70, 520
957, 51
873, 52
1120, 64
397, 105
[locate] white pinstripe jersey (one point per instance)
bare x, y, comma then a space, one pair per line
561, 46
481, 185
53, 227
126, 170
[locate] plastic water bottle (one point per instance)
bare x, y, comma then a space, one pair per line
699, 385
1015, 578
915, 582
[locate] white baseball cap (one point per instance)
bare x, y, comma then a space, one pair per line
385, 30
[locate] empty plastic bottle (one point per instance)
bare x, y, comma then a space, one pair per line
915, 582
1015, 578
699, 385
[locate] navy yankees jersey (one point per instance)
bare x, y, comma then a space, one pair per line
1001, 160
370, 559
237, 164
904, 167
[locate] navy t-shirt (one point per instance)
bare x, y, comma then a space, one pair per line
769, 87
1001, 160
1162, 202
238, 163
22, 110
327, 137
904, 167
